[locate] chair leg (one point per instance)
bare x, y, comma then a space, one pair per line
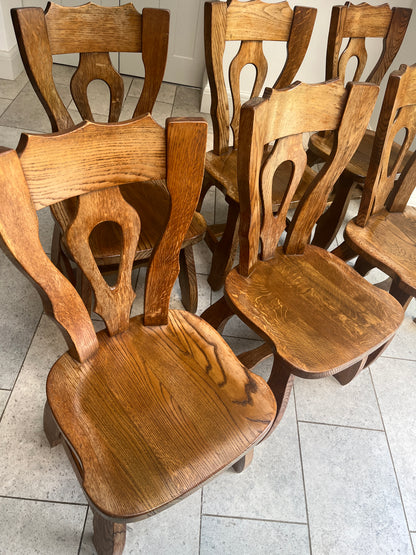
244, 462
362, 266
331, 220
187, 279
251, 358
281, 383
50, 428
218, 314
344, 252
224, 251
397, 292
346, 376
206, 186
109, 537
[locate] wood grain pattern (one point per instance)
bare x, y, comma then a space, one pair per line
252, 23
178, 380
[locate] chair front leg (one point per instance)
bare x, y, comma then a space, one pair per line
109, 537
225, 249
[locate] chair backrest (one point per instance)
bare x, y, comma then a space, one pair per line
251, 23
282, 117
93, 32
357, 23
398, 112
90, 161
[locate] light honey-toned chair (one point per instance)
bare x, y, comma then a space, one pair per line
383, 233
250, 24
359, 24
94, 32
151, 407
317, 315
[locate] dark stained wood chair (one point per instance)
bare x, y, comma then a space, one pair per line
318, 316
384, 232
250, 23
357, 23
152, 407
94, 32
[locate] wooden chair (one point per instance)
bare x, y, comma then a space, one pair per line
317, 315
153, 406
251, 23
93, 32
355, 23
384, 232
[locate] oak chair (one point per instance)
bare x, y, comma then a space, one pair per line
384, 232
357, 23
93, 32
153, 406
251, 23
318, 316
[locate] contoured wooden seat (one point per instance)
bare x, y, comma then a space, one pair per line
383, 233
317, 315
94, 32
252, 24
357, 23
151, 407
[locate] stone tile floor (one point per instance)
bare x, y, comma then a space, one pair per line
337, 477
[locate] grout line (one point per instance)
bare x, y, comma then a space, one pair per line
399, 359
83, 531
342, 426
303, 473
200, 520
256, 519
392, 461
50, 501
21, 366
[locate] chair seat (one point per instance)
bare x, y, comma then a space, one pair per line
359, 163
156, 412
319, 313
224, 170
389, 239
106, 238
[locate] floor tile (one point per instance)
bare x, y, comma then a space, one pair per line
413, 536
393, 379
4, 395
161, 110
166, 93
46, 225
351, 490
63, 74
247, 537
20, 311
173, 531
187, 111
10, 136
325, 400
11, 88
187, 96
271, 488
208, 206
4, 103
404, 343
99, 96
203, 258
30, 468
29, 527
27, 112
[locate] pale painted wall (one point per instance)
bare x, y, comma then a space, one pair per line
10, 62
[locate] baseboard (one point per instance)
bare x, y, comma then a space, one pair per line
10, 63
206, 99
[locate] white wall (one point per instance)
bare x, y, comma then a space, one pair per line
10, 63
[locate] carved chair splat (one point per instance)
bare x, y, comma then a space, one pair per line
318, 316
357, 23
94, 31
251, 23
135, 403
383, 233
